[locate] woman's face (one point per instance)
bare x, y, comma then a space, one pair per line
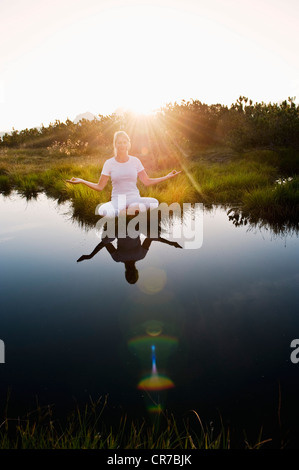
122, 144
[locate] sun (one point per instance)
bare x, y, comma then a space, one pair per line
141, 106
141, 110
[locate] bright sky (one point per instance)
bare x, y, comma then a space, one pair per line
60, 58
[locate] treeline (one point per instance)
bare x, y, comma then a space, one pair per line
242, 125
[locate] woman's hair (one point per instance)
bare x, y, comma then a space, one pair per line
131, 273
117, 135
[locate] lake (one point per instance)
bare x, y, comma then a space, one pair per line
207, 328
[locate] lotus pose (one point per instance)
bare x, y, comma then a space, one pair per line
123, 169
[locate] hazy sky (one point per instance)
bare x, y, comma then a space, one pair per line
60, 58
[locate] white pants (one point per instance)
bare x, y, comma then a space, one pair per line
116, 205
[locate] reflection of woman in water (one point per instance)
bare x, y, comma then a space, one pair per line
123, 169
129, 251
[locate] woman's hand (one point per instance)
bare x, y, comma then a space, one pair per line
173, 173
82, 258
176, 245
74, 180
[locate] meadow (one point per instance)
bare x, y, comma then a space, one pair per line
245, 156
262, 183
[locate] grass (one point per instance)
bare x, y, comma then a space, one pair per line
276, 205
211, 176
84, 428
230, 182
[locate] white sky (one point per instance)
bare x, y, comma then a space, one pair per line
60, 58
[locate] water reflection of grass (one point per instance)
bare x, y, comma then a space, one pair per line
249, 179
85, 429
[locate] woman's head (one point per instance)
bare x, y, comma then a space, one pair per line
131, 273
121, 138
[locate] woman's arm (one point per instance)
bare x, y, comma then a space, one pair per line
96, 186
101, 245
147, 242
144, 178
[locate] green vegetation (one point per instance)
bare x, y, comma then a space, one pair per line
85, 429
246, 156
248, 180
242, 125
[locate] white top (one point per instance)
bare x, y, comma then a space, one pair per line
123, 176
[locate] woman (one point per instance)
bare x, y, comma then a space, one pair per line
123, 169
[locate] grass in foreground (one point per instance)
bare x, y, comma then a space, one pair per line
86, 430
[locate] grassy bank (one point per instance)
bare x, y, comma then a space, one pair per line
264, 182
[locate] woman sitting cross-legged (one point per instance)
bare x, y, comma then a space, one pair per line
124, 169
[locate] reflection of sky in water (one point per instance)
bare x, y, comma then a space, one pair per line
79, 329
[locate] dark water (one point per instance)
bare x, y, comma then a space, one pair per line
209, 328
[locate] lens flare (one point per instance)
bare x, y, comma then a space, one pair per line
152, 280
165, 344
155, 409
154, 328
144, 151
155, 381
154, 365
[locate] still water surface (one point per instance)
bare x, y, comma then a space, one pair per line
205, 329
